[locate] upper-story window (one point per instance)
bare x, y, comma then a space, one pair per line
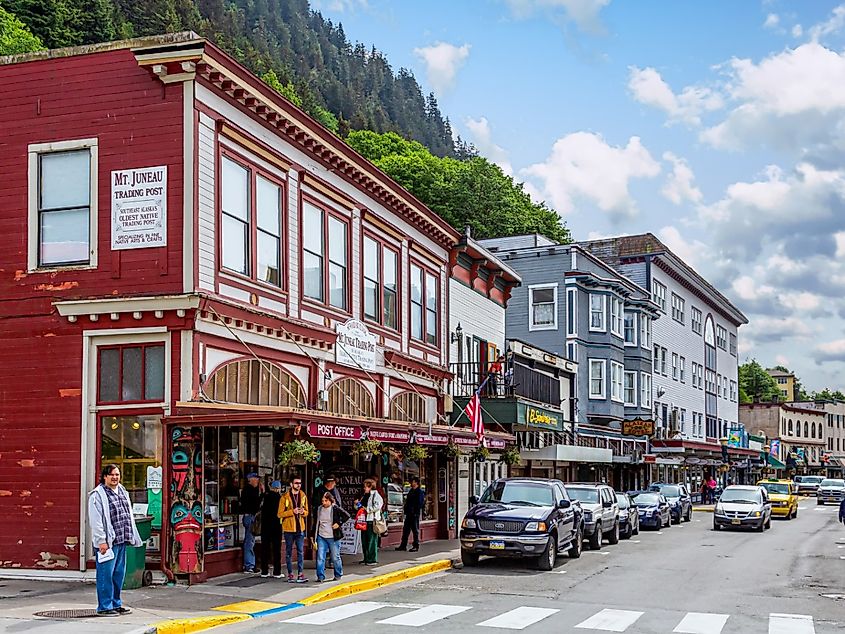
645, 390
630, 328
675, 366
324, 256
63, 204
424, 312
131, 374
682, 370
380, 288
733, 344
658, 294
630, 388
597, 378
678, 308
721, 338
542, 300
598, 312
616, 311
696, 320
645, 331
251, 226
571, 311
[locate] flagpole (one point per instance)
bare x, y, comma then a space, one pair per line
478, 391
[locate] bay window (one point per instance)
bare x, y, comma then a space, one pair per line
597, 367
616, 372
630, 329
630, 388
645, 390
597, 312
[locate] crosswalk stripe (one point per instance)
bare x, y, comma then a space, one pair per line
425, 615
338, 613
701, 623
791, 624
610, 620
519, 618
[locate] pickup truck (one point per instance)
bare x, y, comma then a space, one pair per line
523, 517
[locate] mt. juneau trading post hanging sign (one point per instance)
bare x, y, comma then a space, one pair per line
139, 208
356, 345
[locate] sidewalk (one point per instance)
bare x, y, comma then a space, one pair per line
705, 508
20, 600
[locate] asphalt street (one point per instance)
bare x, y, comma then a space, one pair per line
685, 579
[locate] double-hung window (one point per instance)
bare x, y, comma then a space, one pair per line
696, 320
656, 360
63, 204
630, 388
543, 307
658, 294
645, 331
678, 308
424, 311
645, 390
630, 329
131, 374
663, 366
251, 225
597, 312
682, 369
674, 366
324, 262
597, 369
572, 311
616, 372
380, 288
733, 344
616, 312
721, 338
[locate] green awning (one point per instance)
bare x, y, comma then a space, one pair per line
774, 462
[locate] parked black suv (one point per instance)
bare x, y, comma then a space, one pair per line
522, 517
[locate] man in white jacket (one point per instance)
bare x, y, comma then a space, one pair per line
112, 530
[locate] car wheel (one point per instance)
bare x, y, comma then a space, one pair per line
717, 527
795, 513
761, 527
636, 531
679, 519
669, 521
613, 536
468, 558
629, 530
688, 516
549, 557
595, 539
819, 503
769, 522
574, 551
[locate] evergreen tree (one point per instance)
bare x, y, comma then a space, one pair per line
15, 38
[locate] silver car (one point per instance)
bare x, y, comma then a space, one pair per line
830, 490
743, 506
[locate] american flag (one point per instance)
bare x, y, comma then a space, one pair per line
473, 412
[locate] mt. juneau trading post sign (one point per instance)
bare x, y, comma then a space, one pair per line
356, 345
139, 208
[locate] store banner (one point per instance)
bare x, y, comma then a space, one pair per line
496, 443
432, 439
383, 435
331, 430
539, 417
465, 441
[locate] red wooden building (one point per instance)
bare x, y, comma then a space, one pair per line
194, 274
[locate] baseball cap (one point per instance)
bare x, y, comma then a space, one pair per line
251, 474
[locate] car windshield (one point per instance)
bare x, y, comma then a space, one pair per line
647, 499
671, 491
811, 479
780, 488
519, 493
623, 501
395, 497
740, 496
832, 483
584, 495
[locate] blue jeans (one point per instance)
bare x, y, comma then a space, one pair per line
249, 543
290, 539
110, 576
332, 545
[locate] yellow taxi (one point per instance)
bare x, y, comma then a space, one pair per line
783, 496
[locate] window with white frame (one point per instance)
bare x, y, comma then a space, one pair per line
571, 311
682, 416
675, 366
695, 318
645, 390
543, 307
572, 351
597, 370
682, 369
733, 344
597, 312
721, 338
630, 388
655, 366
324, 261
616, 372
424, 305
658, 294
678, 308
733, 391
616, 310
62, 204
630, 329
664, 370
718, 384
645, 331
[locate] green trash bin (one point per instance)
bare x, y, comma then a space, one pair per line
136, 556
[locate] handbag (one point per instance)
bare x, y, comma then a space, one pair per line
379, 526
361, 519
255, 529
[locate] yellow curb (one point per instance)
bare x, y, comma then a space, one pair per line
354, 587
248, 607
185, 626
703, 509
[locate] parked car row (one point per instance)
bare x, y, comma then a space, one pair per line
541, 518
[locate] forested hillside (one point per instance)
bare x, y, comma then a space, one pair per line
347, 87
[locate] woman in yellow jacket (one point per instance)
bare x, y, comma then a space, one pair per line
293, 511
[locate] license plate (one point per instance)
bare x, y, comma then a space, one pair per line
497, 545
737, 522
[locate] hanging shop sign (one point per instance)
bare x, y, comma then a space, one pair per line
538, 417
386, 435
496, 443
331, 430
465, 441
432, 439
139, 208
638, 427
355, 346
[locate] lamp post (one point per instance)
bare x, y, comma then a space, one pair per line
725, 460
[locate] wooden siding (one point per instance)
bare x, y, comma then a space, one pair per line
207, 156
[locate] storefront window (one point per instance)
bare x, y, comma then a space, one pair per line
133, 443
398, 473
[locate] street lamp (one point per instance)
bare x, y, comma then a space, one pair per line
765, 457
725, 460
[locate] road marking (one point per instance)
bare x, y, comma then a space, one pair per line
659, 533
634, 541
561, 571
791, 624
610, 620
597, 552
425, 615
332, 615
519, 618
702, 623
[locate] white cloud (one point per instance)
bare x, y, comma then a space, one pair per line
839, 237
583, 166
442, 62
482, 137
782, 360
830, 351
585, 13
772, 21
832, 25
797, 31
679, 183
693, 252
339, 6
648, 87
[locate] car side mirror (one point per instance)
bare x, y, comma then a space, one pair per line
564, 504
606, 504
473, 499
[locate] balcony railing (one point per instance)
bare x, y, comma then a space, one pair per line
515, 379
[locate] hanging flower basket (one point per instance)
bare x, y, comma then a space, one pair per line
479, 454
510, 456
453, 450
298, 451
366, 448
415, 453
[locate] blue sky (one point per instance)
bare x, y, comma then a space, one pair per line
718, 126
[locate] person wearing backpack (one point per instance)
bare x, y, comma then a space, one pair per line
373, 504
271, 531
328, 533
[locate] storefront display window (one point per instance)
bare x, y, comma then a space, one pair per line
133, 443
398, 473
222, 478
